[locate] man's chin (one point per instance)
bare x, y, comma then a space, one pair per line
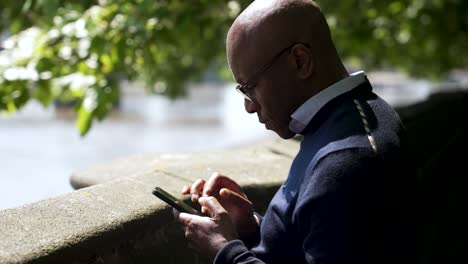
285, 134
282, 131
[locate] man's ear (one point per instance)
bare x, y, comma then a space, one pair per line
304, 60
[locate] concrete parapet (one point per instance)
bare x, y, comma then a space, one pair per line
121, 221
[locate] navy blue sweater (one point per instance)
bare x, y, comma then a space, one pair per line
343, 201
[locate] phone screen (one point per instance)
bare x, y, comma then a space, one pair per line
178, 204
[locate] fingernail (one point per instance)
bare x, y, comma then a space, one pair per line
224, 192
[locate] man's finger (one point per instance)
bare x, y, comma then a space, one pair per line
211, 183
186, 189
185, 218
218, 181
228, 197
182, 218
196, 189
214, 208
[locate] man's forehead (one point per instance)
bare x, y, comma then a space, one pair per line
254, 37
241, 51
242, 63
247, 55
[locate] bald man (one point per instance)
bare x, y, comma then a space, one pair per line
343, 201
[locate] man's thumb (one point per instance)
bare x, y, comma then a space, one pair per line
228, 198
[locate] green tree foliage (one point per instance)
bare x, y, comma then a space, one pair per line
79, 50
421, 37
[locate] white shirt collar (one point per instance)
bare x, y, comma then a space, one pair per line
302, 116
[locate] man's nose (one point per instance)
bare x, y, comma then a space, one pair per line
250, 106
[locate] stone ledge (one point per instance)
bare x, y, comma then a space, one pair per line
185, 165
121, 221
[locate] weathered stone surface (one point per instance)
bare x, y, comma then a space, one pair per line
121, 221
244, 164
111, 170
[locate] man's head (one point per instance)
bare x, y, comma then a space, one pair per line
283, 50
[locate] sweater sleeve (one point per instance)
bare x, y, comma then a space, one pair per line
236, 252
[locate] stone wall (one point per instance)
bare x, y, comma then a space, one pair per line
120, 221
114, 218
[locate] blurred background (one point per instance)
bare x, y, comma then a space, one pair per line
84, 81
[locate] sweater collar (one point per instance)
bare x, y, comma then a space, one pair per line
304, 114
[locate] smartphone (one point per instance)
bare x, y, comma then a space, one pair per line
178, 204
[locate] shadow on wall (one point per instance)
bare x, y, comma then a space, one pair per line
437, 130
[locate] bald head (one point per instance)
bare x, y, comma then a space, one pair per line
282, 16
266, 26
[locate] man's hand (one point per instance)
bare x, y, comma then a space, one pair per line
207, 235
231, 197
211, 188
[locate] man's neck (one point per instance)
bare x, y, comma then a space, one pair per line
325, 79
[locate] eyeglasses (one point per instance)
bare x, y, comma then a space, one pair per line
245, 88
